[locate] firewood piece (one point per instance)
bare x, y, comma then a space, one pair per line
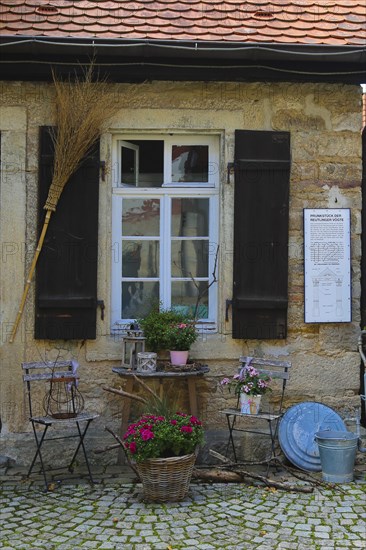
216, 475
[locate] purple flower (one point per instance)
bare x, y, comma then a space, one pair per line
252, 372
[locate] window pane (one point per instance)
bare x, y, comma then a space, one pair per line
140, 217
190, 163
190, 217
143, 162
189, 258
129, 168
137, 298
184, 295
140, 259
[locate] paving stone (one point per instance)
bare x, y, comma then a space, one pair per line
113, 514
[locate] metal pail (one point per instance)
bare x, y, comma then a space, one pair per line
337, 452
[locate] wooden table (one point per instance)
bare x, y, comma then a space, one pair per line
190, 376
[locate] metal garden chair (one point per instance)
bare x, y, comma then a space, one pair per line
242, 422
55, 402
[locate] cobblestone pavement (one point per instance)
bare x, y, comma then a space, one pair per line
112, 514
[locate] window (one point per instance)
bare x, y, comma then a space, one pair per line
165, 211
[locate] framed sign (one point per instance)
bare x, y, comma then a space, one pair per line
327, 255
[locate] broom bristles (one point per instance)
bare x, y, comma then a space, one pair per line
82, 109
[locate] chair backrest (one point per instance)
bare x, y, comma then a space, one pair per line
46, 371
272, 367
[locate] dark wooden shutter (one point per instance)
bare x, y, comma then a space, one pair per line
363, 253
66, 276
260, 297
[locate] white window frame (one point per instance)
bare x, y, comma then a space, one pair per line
166, 193
169, 141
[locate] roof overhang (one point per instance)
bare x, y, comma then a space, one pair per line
31, 58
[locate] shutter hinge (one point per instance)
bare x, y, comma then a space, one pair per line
228, 303
102, 169
100, 303
230, 170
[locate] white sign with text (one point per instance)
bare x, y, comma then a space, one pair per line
327, 255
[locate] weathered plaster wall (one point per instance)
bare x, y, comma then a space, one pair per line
324, 121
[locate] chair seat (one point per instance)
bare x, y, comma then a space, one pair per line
49, 420
262, 415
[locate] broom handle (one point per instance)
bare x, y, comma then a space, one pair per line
30, 274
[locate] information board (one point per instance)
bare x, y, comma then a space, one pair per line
327, 255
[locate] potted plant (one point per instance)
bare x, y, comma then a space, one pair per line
155, 327
249, 385
162, 449
180, 337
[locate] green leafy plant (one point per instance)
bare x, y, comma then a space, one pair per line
182, 335
161, 437
156, 326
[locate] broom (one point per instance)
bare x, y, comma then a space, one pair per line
82, 108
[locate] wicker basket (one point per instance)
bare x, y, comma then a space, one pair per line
166, 479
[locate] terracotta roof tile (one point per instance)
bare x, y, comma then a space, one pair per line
279, 21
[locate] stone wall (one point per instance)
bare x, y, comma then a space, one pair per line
325, 123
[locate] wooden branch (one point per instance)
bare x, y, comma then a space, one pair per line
220, 457
238, 469
120, 442
125, 394
146, 387
214, 280
238, 475
308, 477
108, 448
303, 476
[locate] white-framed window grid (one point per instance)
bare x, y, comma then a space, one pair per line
165, 194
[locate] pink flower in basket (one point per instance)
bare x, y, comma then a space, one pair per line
160, 437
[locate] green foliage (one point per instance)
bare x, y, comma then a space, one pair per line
182, 335
160, 406
156, 326
161, 437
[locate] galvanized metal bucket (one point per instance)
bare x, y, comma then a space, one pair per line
337, 452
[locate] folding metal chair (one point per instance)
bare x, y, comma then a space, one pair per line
276, 370
62, 404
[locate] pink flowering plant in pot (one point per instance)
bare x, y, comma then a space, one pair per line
161, 437
248, 381
181, 335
